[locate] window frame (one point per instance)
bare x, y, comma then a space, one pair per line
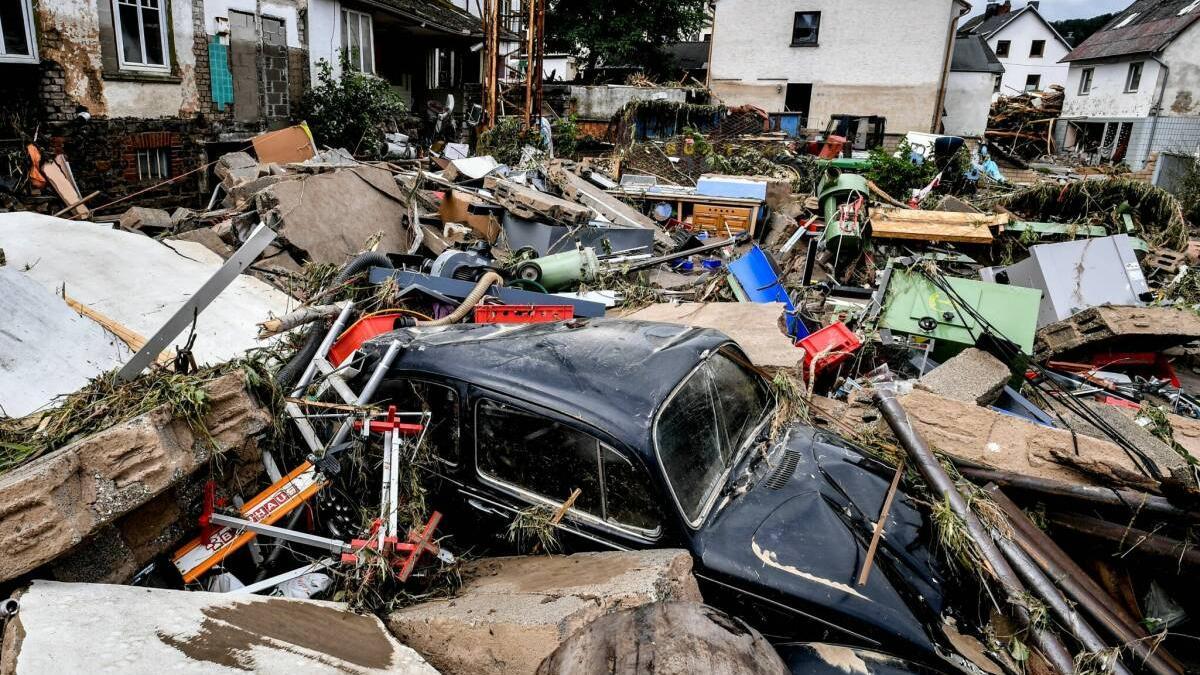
816, 38
344, 36
1086, 76
164, 7
1037, 84
1003, 48
710, 499
1140, 67
30, 39
158, 157
537, 498
433, 69
1041, 53
997, 82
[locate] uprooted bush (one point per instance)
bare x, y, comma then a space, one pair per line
1158, 216
349, 110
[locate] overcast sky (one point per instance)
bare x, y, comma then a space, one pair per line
1054, 10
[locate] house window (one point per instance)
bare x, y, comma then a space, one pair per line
1134, 79
358, 41
1127, 20
141, 34
1002, 47
153, 164
550, 460
805, 27
1037, 48
1085, 81
16, 32
441, 402
441, 69
1033, 82
996, 80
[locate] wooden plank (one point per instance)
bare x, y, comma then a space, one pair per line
947, 217
883, 226
64, 187
130, 337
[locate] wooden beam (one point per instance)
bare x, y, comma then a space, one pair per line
966, 228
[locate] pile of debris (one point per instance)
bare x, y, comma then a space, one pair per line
1022, 125
406, 389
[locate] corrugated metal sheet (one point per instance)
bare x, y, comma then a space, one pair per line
1157, 23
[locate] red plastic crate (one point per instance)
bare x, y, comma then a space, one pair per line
838, 341
364, 329
523, 313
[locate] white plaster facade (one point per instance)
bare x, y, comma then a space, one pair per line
1107, 96
145, 99
968, 102
1027, 26
873, 57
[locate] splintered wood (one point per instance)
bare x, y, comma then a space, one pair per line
966, 228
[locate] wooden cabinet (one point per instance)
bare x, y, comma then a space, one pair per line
722, 220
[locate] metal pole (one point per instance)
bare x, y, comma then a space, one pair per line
1051, 647
1147, 543
1134, 500
1080, 588
365, 395
323, 350
1042, 586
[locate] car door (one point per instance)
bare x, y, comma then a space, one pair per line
529, 459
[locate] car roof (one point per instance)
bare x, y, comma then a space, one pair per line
613, 374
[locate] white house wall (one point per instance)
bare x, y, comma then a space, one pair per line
1018, 65
287, 12
143, 99
874, 57
1182, 94
968, 102
1107, 97
324, 33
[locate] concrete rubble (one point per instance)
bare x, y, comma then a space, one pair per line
971, 376
512, 613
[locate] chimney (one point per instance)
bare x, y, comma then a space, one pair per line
1035, 4
990, 10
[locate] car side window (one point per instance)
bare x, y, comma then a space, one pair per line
628, 495
441, 402
538, 454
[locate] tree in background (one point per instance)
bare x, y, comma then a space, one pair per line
1076, 31
622, 33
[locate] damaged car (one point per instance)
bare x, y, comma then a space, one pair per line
668, 435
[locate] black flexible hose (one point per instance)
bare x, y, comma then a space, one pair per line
290, 372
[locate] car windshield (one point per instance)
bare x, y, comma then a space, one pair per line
704, 425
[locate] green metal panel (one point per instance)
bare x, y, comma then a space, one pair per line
912, 300
837, 189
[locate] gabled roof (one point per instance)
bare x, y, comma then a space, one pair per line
973, 55
987, 26
1145, 27
437, 15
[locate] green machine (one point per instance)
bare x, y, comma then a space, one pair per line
913, 305
845, 214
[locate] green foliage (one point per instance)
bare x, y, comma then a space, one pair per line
896, 174
1076, 31
564, 131
349, 110
506, 139
622, 33
1189, 193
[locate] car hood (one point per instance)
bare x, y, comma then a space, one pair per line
800, 534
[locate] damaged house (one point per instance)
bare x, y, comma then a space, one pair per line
1134, 86
827, 59
134, 93
1025, 43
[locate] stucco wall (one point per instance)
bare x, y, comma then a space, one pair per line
1018, 65
1107, 98
874, 57
968, 101
1182, 93
324, 33
603, 101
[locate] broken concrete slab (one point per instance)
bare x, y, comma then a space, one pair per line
972, 376
513, 612
754, 326
1119, 328
331, 216
207, 237
665, 638
139, 282
54, 502
532, 204
78, 628
578, 189
234, 168
975, 434
140, 218
1163, 455
469, 168
47, 349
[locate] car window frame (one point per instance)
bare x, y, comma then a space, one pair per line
536, 498
460, 397
710, 499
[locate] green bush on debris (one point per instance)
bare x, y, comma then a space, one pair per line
348, 110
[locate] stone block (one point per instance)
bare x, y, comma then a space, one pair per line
81, 628
236, 167
1119, 328
513, 612
972, 376
145, 219
53, 503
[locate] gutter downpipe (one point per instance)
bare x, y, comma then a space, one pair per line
946, 60
1162, 92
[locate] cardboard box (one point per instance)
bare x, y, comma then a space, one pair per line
463, 207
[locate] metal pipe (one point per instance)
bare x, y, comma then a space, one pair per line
1134, 500
9, 608
1051, 647
323, 350
1162, 92
1080, 588
1136, 541
1028, 570
365, 395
